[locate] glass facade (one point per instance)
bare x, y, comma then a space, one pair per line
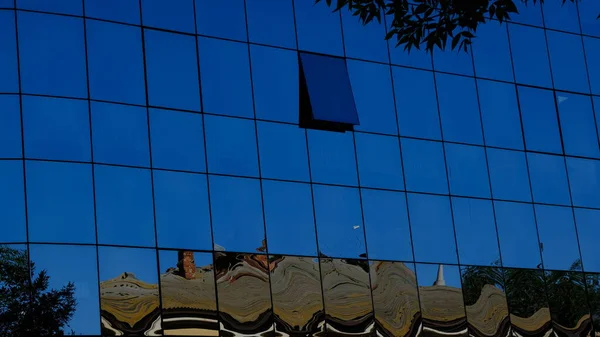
267, 167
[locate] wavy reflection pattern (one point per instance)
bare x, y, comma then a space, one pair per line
527, 301
568, 304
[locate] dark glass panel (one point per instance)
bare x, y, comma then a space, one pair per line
584, 181
492, 52
567, 59
226, 19
332, 157
10, 126
424, 166
578, 125
243, 294
188, 300
395, 299
172, 15
548, 179
467, 170
365, 42
60, 202
14, 284
124, 210
237, 214
500, 114
76, 265
592, 56
527, 302
318, 30
558, 237
264, 15
12, 202
114, 10
508, 174
8, 57
588, 14
297, 297
593, 291
540, 124
432, 228
283, 152
588, 231
347, 295
289, 218
530, 56
442, 305
129, 294
416, 58
561, 16
568, 303
115, 62
379, 164
182, 213
454, 61
518, 235
529, 13
56, 128
386, 225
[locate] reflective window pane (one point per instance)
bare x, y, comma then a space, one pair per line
386, 225
492, 53
283, 152
115, 62
332, 158
558, 239
114, 10
592, 54
73, 7
172, 70
577, 124
221, 19
120, 134
415, 58
237, 214
530, 57
318, 29
379, 164
584, 180
475, 232
364, 42
540, 124
56, 128
60, 202
264, 15
518, 235
593, 289
8, 57
177, 140
174, 15
289, 218
454, 61
245, 304
529, 13
588, 14
569, 309
12, 202
500, 114
339, 222
508, 175
424, 166
587, 221
61, 42
222, 76
124, 211
296, 283
561, 16
567, 60
467, 170
459, 109
10, 127
432, 228
548, 179
129, 295
527, 301
182, 214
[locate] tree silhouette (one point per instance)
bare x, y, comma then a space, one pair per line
27, 306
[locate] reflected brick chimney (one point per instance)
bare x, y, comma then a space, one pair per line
186, 264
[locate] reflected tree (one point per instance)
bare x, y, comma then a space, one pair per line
27, 306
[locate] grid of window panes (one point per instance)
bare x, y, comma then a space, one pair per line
154, 145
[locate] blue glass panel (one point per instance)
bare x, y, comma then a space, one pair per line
173, 15
329, 88
588, 14
86, 316
592, 53
172, 70
416, 58
318, 29
459, 109
12, 202
56, 128
114, 10
237, 215
120, 134
379, 163
475, 232
453, 61
508, 174
276, 83
289, 218
73, 7
124, 211
467, 170
263, 15
548, 179
529, 13
500, 114
578, 126
231, 146
339, 221
59, 39
432, 229
332, 158
558, 239
8, 57
567, 61
518, 235
530, 56
386, 225
561, 16
540, 125
365, 42
60, 202
226, 19
588, 231
371, 80
584, 179
226, 86
283, 151
10, 127
491, 52
177, 140
417, 117
7, 4
182, 214
115, 62
424, 166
